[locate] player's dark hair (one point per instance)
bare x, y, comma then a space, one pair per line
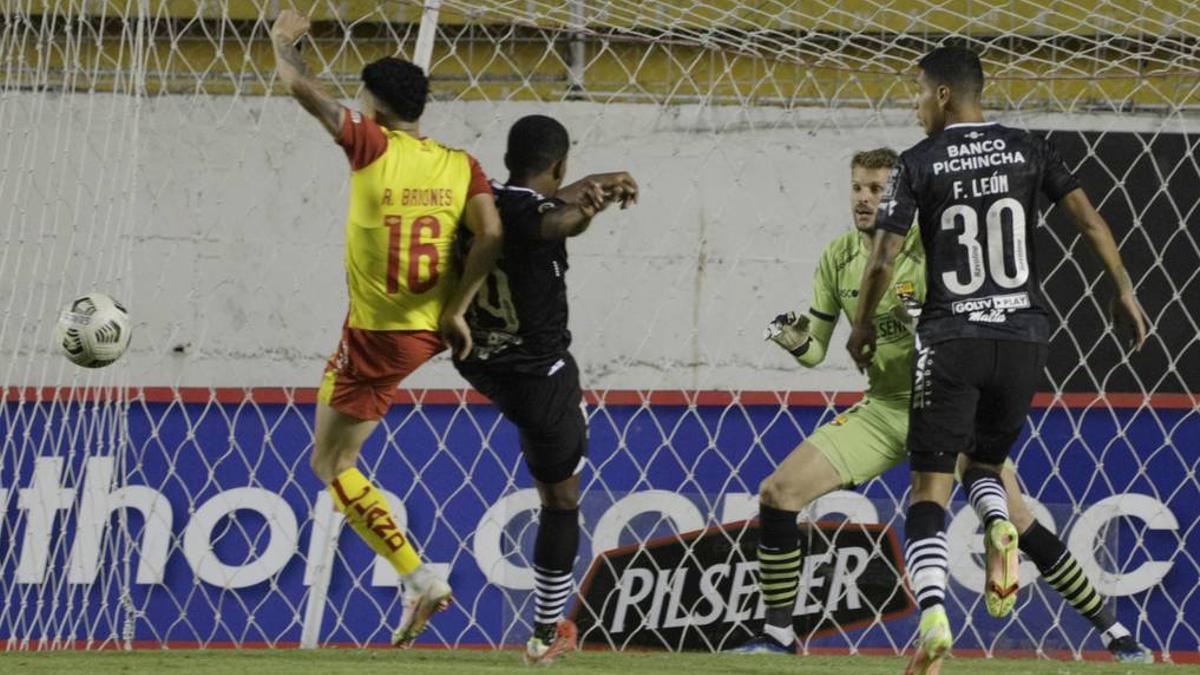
956, 67
535, 143
879, 158
401, 85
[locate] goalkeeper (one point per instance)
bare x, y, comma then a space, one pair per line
869, 438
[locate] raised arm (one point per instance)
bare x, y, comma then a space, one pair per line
483, 220
289, 27
1095, 230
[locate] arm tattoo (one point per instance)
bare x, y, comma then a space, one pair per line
307, 90
290, 55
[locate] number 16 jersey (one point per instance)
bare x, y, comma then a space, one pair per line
407, 197
974, 191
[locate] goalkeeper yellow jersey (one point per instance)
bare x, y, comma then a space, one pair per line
835, 291
407, 197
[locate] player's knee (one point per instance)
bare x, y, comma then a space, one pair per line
564, 500
324, 465
321, 467
776, 493
932, 486
327, 461
562, 494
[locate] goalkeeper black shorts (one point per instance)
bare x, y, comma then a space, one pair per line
970, 396
547, 411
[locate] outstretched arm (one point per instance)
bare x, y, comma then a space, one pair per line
584, 199
617, 186
1098, 235
289, 27
876, 278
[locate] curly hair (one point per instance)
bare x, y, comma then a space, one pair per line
401, 85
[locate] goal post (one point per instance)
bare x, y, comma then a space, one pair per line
150, 153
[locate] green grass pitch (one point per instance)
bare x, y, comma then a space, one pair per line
428, 661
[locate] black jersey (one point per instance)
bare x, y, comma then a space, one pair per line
974, 190
518, 319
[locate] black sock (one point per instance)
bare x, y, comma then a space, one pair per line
1060, 569
553, 567
925, 552
779, 558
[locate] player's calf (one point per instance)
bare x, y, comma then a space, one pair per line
557, 542
927, 559
337, 440
779, 561
368, 513
554, 554
803, 476
1060, 569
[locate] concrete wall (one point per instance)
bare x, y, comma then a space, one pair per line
219, 221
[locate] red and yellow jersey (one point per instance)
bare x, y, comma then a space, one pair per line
407, 196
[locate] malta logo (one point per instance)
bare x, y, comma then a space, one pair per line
696, 590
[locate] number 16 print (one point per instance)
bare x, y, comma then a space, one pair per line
418, 248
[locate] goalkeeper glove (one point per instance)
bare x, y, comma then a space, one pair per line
789, 331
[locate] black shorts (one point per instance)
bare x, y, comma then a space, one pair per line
547, 412
970, 396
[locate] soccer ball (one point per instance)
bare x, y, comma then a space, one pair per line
93, 331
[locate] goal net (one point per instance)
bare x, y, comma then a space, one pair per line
150, 153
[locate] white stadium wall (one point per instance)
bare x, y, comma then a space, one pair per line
220, 225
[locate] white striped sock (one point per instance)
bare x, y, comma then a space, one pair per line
552, 591
928, 562
989, 500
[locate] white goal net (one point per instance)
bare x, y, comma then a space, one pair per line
149, 153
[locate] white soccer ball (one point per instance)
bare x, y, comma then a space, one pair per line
93, 331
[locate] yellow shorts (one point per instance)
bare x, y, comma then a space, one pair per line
867, 439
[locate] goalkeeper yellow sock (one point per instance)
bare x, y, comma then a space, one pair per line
367, 512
